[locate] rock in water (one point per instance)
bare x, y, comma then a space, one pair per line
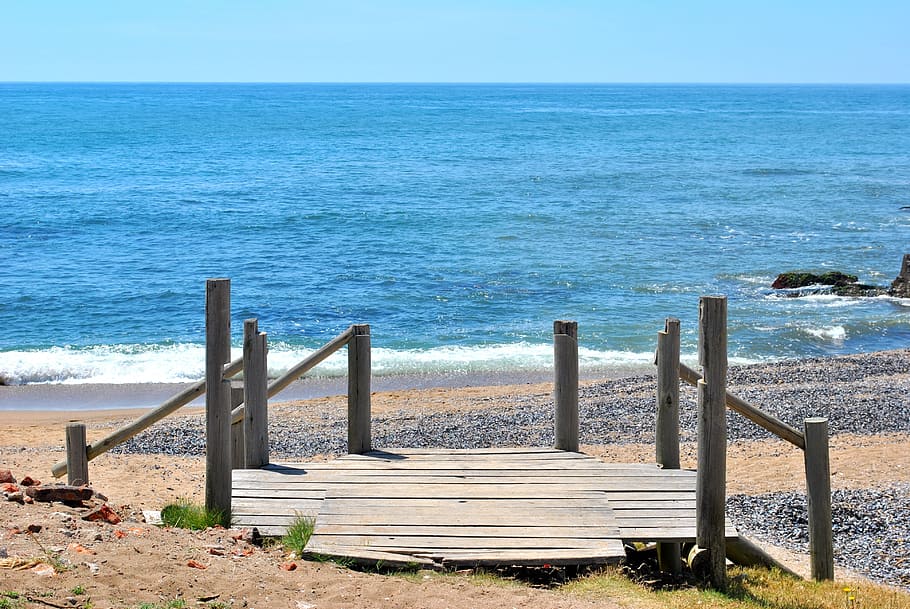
900, 287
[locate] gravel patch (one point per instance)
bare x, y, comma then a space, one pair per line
871, 527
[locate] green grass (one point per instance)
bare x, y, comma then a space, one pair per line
752, 588
176, 603
298, 534
78, 590
11, 600
185, 515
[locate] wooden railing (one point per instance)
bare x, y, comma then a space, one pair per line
236, 417
713, 398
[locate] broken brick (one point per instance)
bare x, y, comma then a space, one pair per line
288, 566
196, 565
103, 513
29, 481
60, 492
9, 487
7, 476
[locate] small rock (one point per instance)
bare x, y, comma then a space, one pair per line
34, 528
6, 476
9, 487
103, 513
93, 568
195, 564
29, 481
288, 566
18, 497
43, 570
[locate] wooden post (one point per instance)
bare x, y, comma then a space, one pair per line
359, 438
255, 396
565, 394
238, 452
76, 455
667, 432
217, 396
818, 498
711, 479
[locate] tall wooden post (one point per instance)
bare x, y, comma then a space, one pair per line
667, 432
238, 441
359, 376
711, 480
818, 498
76, 455
565, 394
255, 395
217, 396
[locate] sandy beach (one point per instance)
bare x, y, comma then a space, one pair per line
134, 562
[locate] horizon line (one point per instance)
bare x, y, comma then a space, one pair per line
437, 83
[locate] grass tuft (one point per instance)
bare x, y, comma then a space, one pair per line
186, 515
298, 534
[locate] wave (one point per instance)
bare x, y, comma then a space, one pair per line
181, 363
832, 333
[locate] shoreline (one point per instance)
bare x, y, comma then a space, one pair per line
90, 397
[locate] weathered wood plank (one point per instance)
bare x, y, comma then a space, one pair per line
589, 470
431, 543
556, 532
467, 519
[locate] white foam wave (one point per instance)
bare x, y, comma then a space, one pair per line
832, 333
179, 363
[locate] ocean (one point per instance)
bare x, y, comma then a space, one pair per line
458, 221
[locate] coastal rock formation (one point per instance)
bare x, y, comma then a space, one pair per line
900, 287
842, 284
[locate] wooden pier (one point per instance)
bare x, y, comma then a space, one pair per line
485, 507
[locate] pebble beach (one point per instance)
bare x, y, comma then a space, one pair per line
861, 395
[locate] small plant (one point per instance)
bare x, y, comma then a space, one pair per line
78, 590
298, 534
186, 515
10, 599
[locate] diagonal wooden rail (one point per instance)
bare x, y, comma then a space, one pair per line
198, 389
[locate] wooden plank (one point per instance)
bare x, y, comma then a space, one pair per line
605, 556
556, 532
515, 483
670, 534
606, 469
371, 557
433, 518
431, 543
617, 498
504, 469
359, 438
76, 455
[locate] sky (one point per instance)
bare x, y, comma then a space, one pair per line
590, 41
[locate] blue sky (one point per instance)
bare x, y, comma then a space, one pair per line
457, 41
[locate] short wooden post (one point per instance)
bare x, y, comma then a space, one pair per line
565, 394
359, 435
667, 431
711, 479
217, 396
255, 396
238, 452
818, 498
76, 455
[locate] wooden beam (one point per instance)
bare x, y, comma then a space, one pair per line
565, 360
359, 376
818, 498
710, 487
255, 395
76, 455
218, 396
667, 429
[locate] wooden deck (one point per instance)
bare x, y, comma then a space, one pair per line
504, 506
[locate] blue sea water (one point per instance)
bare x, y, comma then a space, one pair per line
458, 220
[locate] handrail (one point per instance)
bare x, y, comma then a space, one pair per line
757, 416
304, 366
147, 420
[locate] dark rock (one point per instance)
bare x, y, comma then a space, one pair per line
60, 492
6, 476
801, 279
900, 287
858, 289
